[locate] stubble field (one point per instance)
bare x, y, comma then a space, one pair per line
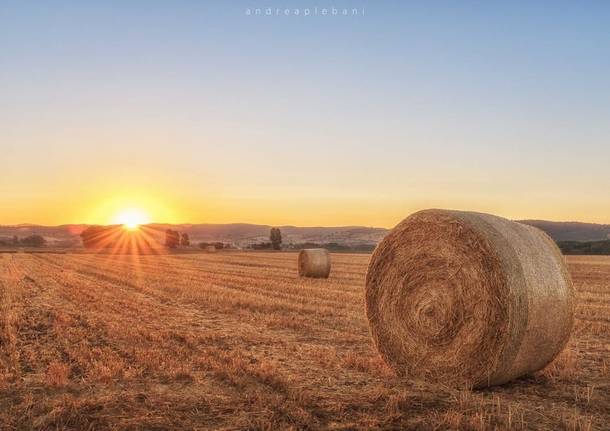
238, 341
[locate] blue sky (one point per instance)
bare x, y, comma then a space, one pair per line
199, 112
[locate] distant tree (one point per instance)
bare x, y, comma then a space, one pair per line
217, 245
261, 246
172, 238
33, 241
276, 238
100, 236
184, 240
88, 236
585, 247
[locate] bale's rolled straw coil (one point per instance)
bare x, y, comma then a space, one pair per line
210, 249
467, 298
314, 262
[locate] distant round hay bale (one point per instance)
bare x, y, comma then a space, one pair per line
314, 262
210, 249
466, 298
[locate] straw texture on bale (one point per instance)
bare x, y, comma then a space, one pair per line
466, 298
210, 249
314, 262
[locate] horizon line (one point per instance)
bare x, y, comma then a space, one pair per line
23, 225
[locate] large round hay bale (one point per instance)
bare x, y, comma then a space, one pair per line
467, 298
210, 249
314, 262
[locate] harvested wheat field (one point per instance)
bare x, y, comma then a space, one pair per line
239, 341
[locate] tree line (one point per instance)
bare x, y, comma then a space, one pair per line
28, 241
586, 247
102, 236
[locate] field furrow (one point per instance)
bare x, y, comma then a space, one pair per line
239, 341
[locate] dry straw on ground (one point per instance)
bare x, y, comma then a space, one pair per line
468, 298
233, 341
314, 262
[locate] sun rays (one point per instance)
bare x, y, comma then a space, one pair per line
131, 218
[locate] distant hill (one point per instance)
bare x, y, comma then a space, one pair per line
64, 235
590, 247
243, 234
572, 231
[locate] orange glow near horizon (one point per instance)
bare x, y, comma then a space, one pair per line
138, 208
131, 209
176, 203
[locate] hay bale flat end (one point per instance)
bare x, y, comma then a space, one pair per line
314, 263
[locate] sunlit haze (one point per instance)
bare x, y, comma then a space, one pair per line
194, 112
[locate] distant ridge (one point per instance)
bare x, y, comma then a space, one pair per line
572, 230
247, 233
236, 233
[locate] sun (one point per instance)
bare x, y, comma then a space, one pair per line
131, 218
